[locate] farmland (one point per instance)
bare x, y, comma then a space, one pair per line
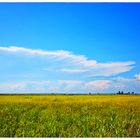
69, 116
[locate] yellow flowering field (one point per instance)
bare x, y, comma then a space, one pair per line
69, 115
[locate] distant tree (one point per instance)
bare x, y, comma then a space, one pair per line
132, 92
128, 92
89, 93
122, 92
119, 92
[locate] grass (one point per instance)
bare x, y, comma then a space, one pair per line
69, 116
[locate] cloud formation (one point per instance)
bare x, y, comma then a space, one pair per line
70, 63
97, 85
25, 70
58, 86
72, 86
137, 76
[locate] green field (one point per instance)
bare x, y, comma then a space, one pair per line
69, 116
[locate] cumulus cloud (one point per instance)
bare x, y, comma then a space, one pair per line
67, 62
97, 85
125, 84
58, 86
72, 86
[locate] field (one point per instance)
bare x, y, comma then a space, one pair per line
69, 115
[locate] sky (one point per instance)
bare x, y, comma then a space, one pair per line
69, 47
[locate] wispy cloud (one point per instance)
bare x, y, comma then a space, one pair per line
58, 54
68, 62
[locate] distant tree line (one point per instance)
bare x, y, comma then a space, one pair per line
121, 92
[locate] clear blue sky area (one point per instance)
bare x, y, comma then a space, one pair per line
104, 32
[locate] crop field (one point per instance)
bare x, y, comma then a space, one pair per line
69, 115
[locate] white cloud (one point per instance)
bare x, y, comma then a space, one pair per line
137, 76
57, 86
66, 62
24, 87
125, 84
108, 69
97, 85
34, 52
12, 87
72, 86
58, 54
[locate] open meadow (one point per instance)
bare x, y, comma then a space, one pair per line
69, 116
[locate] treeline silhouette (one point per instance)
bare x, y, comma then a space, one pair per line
121, 92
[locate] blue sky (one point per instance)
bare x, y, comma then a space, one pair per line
69, 47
